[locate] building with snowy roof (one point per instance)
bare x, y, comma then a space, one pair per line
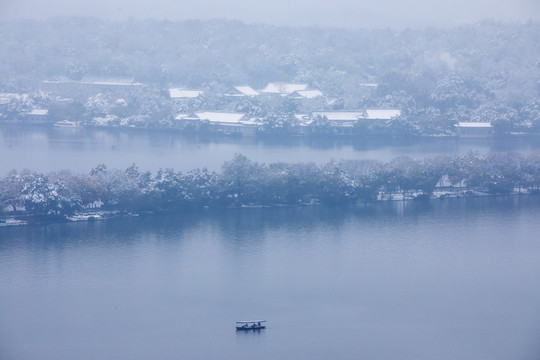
348, 118
180, 94
305, 94
381, 114
187, 121
221, 118
216, 121
283, 89
90, 86
36, 116
345, 121
241, 91
339, 118
474, 129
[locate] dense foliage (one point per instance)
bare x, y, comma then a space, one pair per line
243, 182
487, 71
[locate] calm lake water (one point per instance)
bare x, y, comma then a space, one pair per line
446, 279
51, 149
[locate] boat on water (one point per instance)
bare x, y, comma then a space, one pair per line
250, 325
66, 124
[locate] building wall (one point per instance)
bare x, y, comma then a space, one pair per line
474, 132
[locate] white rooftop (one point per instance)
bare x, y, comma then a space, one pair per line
89, 80
220, 117
474, 124
247, 90
115, 82
283, 88
178, 93
371, 114
39, 112
381, 114
307, 94
180, 116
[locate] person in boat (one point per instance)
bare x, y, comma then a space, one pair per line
259, 324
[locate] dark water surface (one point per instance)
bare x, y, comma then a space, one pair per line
80, 149
448, 279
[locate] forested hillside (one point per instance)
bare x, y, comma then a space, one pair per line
488, 71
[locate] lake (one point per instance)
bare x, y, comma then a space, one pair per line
443, 279
80, 149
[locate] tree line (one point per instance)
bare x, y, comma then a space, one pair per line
243, 182
487, 71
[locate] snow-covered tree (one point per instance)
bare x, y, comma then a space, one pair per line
43, 197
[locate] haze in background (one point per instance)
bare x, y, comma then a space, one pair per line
341, 13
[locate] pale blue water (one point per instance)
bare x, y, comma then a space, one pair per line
449, 279
52, 149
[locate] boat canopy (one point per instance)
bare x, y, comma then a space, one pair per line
251, 322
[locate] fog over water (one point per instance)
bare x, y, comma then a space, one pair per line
448, 279
80, 150
89, 82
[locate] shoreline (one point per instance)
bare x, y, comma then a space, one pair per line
208, 135
103, 215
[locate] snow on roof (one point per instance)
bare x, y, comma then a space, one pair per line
247, 90
88, 80
340, 115
180, 116
283, 88
113, 81
370, 114
220, 117
474, 124
178, 93
307, 94
382, 114
38, 112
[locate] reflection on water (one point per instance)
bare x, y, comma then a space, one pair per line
250, 333
449, 279
80, 149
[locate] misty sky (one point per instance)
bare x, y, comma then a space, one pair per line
346, 13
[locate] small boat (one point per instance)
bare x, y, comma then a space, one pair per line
66, 124
251, 325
